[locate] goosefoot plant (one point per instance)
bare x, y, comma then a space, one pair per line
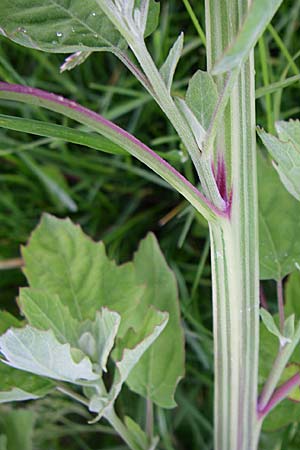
216, 124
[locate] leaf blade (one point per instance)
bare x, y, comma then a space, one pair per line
40, 353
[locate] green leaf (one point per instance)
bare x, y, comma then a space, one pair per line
40, 353
289, 328
286, 152
39, 128
140, 437
256, 20
202, 97
269, 323
63, 261
153, 16
128, 352
291, 370
279, 226
60, 26
46, 312
7, 320
287, 412
16, 385
98, 337
160, 369
18, 426
168, 68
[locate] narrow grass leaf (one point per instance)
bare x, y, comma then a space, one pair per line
55, 131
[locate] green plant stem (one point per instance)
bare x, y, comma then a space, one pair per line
115, 134
149, 418
120, 428
163, 97
279, 365
235, 248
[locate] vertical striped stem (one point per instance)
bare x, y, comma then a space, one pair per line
235, 248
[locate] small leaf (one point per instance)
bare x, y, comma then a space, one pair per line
140, 437
74, 60
40, 353
202, 97
192, 121
286, 152
46, 312
98, 337
279, 226
128, 352
289, 328
259, 15
169, 66
269, 322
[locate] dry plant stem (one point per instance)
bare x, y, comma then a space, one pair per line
235, 247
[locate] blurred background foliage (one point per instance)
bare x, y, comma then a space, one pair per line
117, 200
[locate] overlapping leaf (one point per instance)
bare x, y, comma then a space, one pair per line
98, 337
128, 352
40, 353
16, 385
63, 261
286, 152
45, 311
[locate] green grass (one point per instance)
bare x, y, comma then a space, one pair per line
119, 201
